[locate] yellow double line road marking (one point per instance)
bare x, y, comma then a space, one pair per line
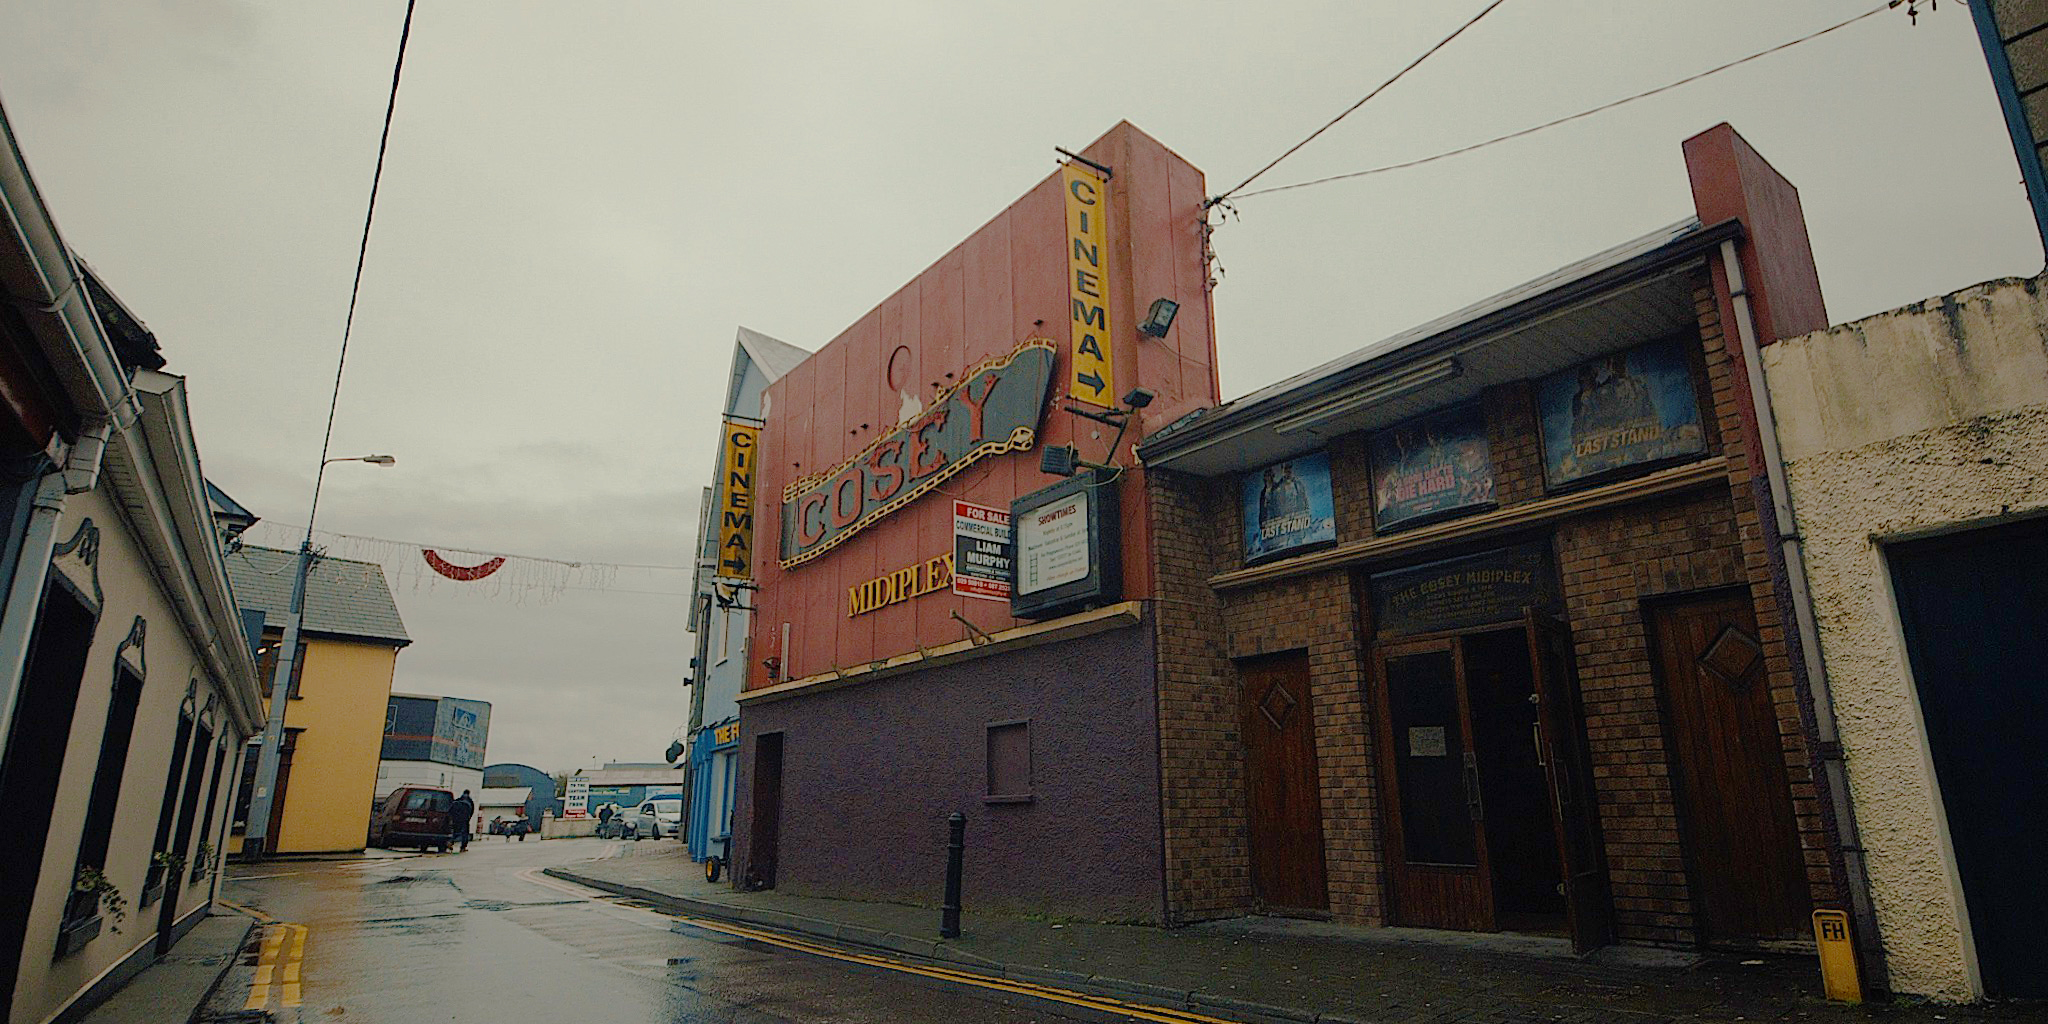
259, 915
1141, 1011
284, 950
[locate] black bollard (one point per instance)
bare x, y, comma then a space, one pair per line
956, 844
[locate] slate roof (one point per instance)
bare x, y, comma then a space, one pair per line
344, 598
1294, 389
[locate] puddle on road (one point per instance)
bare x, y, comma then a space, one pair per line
516, 905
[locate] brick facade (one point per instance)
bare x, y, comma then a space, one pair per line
1611, 561
1201, 767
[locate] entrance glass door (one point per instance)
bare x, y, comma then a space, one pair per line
1490, 819
1436, 811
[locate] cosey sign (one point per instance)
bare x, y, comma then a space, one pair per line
995, 409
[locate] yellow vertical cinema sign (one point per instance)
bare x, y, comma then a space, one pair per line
1087, 199
735, 509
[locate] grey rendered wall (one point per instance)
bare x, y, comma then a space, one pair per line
1928, 418
871, 771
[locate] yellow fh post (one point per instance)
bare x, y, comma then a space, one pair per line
1838, 973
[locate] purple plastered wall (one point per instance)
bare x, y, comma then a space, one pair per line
871, 771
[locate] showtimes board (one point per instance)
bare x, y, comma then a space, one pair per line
1067, 556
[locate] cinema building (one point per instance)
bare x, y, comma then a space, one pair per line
1485, 626
1482, 627
892, 680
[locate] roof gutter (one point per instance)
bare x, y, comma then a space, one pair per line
60, 316
168, 475
58, 294
1160, 450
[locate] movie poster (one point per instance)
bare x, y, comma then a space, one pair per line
1430, 466
1624, 409
1287, 506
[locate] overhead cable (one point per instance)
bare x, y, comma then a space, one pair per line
1809, 37
362, 254
1382, 87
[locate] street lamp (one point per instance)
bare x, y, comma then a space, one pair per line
258, 829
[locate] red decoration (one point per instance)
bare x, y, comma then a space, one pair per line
465, 573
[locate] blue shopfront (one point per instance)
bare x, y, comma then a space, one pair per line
713, 758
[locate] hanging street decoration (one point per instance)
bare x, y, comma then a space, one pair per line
465, 573
505, 576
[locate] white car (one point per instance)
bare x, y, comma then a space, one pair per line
659, 818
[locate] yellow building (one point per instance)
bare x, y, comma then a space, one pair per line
341, 687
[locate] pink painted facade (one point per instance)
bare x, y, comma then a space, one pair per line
1005, 283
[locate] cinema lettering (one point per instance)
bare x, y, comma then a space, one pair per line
995, 409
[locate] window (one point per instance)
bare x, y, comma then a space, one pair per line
266, 665
165, 815
426, 800
245, 789
106, 784
1009, 762
207, 853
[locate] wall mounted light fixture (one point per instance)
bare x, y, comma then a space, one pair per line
1159, 319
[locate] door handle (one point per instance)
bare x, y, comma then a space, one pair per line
1536, 739
1472, 801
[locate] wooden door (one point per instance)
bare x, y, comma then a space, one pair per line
1972, 607
1436, 840
1728, 766
1567, 766
1284, 791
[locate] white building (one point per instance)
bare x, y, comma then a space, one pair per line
127, 683
1916, 452
433, 741
719, 617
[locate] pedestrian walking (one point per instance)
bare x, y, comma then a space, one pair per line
460, 819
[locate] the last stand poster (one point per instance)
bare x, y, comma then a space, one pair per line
1287, 507
1624, 409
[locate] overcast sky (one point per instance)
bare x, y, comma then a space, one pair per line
583, 198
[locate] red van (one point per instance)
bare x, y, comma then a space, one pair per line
412, 816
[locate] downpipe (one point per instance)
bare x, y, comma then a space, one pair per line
1792, 552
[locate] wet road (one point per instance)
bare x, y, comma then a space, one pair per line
483, 936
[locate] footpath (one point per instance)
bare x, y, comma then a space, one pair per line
172, 989
1264, 969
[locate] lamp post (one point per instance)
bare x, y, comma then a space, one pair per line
256, 833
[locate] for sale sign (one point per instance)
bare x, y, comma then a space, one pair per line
983, 558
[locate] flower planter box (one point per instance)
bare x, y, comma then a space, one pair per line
153, 886
81, 923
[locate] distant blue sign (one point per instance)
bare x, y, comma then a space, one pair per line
1287, 506
1624, 409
